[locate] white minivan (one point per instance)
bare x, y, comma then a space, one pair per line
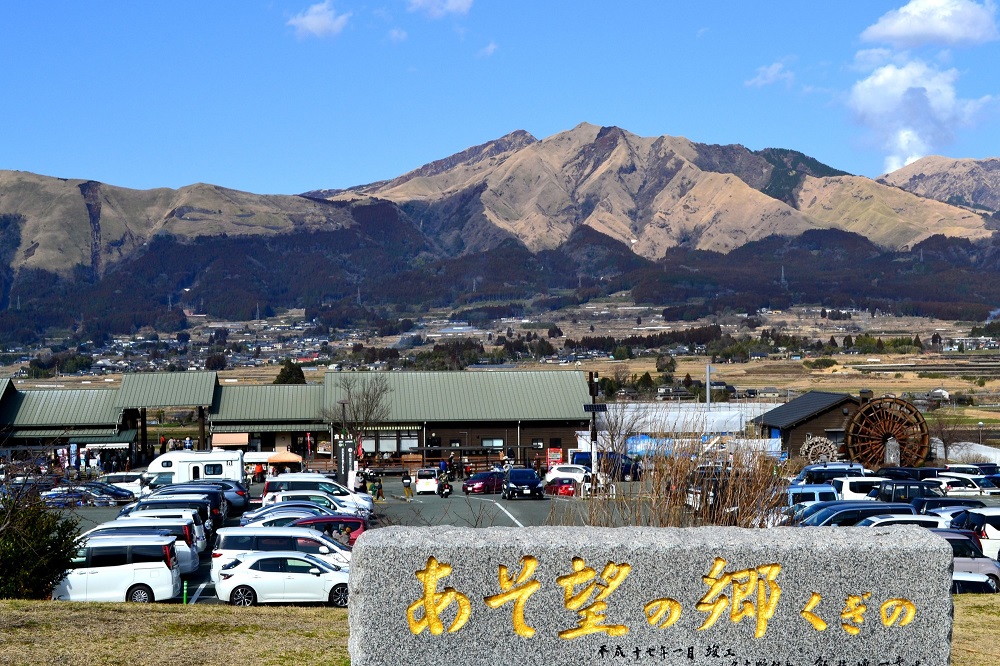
136, 568
181, 529
320, 482
147, 513
232, 541
856, 487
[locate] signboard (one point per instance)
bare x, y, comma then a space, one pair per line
553, 457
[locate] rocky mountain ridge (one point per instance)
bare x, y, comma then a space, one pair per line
652, 194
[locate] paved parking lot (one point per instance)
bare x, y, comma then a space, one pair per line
424, 510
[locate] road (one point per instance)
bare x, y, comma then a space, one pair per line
425, 510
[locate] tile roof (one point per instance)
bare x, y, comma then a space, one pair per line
803, 408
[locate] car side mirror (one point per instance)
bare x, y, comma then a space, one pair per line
314, 571
324, 550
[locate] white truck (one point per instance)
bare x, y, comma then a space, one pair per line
181, 466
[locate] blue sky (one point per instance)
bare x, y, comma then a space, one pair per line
287, 96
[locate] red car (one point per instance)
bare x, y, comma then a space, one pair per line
332, 525
561, 486
483, 482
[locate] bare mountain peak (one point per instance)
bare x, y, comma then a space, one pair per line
972, 183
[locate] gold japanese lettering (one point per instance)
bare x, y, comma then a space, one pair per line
714, 602
853, 615
658, 608
755, 594
517, 590
815, 620
592, 615
892, 609
434, 602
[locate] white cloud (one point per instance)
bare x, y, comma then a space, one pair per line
949, 22
773, 73
440, 8
868, 59
912, 108
488, 50
397, 35
320, 20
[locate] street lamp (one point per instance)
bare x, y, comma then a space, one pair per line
980, 433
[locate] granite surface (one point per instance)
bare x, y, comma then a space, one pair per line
698, 596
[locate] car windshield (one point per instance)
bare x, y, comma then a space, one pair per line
820, 516
964, 548
985, 483
481, 476
320, 564
523, 476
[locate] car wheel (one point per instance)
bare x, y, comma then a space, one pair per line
139, 594
338, 595
243, 596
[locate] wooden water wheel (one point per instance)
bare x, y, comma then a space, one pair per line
882, 419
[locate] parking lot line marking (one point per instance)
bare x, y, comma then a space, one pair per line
501, 507
197, 593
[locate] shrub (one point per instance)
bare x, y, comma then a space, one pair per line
36, 545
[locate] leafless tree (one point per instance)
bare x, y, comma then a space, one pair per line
367, 401
944, 425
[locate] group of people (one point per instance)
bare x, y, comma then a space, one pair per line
366, 480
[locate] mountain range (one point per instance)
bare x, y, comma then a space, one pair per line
581, 212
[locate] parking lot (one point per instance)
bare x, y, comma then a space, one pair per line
424, 510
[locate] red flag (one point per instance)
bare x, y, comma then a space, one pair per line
361, 451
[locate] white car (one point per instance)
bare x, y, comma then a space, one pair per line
131, 481
233, 542
181, 530
977, 482
281, 577
335, 504
575, 472
426, 481
986, 523
956, 487
279, 518
200, 541
929, 521
963, 582
138, 568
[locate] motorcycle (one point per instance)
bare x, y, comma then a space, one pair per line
444, 488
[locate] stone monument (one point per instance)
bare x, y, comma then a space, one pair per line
713, 596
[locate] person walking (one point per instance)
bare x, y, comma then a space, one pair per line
407, 483
380, 496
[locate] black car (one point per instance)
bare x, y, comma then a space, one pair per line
220, 506
522, 482
120, 495
925, 504
235, 492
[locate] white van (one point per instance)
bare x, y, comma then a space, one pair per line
182, 530
232, 541
130, 481
181, 466
136, 568
427, 480
320, 482
856, 487
146, 513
